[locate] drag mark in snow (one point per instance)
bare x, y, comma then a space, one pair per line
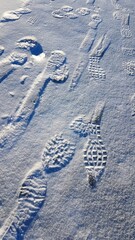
56, 70
90, 1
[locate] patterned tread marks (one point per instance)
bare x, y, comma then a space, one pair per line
129, 67
128, 51
34, 186
91, 62
94, 69
57, 153
80, 127
31, 197
126, 32
57, 68
95, 157
82, 62
90, 125
123, 14
83, 128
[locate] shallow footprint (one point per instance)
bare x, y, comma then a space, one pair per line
11, 63
57, 154
17, 58
14, 15
31, 197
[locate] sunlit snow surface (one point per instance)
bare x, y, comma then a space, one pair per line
67, 119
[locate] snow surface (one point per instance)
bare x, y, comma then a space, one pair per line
67, 120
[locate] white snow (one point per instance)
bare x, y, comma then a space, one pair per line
67, 119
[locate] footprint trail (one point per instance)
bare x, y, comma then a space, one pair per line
57, 153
